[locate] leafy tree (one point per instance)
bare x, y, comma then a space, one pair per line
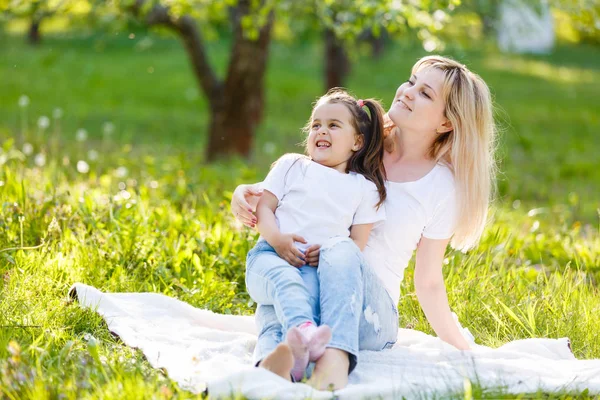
36, 11
236, 100
584, 17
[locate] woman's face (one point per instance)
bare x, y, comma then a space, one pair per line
418, 104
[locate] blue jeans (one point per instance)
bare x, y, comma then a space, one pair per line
352, 300
292, 292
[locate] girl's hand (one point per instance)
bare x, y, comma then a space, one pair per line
312, 255
243, 204
286, 249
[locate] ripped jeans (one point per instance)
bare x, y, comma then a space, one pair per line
352, 301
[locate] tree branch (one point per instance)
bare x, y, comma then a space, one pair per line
186, 28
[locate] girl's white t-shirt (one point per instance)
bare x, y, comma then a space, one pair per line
426, 207
318, 202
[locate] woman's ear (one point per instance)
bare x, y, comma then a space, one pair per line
445, 126
358, 142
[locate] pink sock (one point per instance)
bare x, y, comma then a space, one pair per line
299, 346
317, 339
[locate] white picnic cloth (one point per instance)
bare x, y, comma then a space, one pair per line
203, 350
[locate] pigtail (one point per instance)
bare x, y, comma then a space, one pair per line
368, 161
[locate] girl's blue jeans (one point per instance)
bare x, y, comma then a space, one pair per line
343, 293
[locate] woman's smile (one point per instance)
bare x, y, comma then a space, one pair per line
403, 105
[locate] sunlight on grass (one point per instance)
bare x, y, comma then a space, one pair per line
105, 184
542, 69
163, 225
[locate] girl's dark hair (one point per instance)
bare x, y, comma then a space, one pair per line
368, 161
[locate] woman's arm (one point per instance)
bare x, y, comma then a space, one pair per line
431, 291
360, 234
243, 203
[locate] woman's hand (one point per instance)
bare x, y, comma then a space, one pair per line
388, 126
312, 255
284, 245
243, 203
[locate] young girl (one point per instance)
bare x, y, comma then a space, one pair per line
337, 190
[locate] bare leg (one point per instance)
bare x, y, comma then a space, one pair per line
331, 370
279, 362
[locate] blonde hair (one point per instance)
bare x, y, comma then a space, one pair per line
468, 149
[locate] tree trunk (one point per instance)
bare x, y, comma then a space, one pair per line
239, 110
236, 105
33, 36
377, 43
337, 63
489, 26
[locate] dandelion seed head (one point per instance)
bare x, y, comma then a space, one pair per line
81, 135
121, 172
125, 194
27, 149
122, 186
40, 159
23, 101
83, 167
93, 155
154, 184
43, 122
108, 128
57, 113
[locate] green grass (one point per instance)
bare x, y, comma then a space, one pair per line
151, 216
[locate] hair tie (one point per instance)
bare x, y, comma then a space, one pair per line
361, 103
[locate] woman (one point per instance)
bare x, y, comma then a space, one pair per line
440, 170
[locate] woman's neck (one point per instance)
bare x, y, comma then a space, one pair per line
411, 147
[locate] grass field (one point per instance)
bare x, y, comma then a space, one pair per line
144, 213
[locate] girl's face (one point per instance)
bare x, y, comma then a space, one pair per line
419, 105
332, 139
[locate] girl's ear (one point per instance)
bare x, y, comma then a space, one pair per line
358, 142
446, 126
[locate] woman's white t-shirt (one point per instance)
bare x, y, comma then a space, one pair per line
426, 207
318, 202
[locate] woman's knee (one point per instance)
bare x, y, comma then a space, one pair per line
339, 253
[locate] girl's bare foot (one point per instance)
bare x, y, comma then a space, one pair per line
279, 362
318, 342
331, 370
299, 347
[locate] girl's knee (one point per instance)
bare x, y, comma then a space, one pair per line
339, 253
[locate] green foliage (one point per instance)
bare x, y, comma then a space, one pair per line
42, 8
137, 209
583, 17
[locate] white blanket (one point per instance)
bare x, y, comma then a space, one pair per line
202, 350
